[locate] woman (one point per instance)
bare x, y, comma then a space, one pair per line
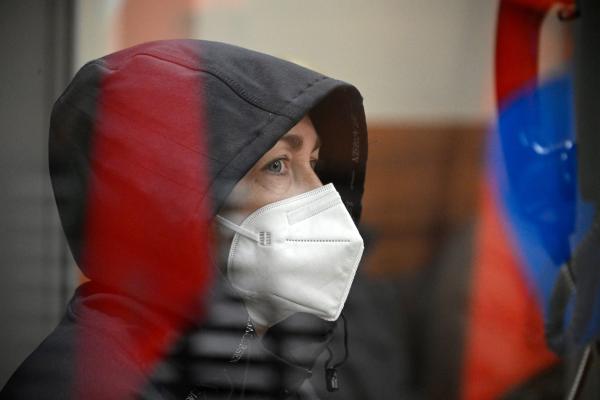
148, 148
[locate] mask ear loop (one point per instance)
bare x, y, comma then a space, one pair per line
238, 229
331, 378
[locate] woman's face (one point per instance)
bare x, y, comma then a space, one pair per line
286, 170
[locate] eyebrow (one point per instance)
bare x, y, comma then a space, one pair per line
296, 142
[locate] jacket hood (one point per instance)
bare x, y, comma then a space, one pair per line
146, 144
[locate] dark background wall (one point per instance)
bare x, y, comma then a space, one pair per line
36, 59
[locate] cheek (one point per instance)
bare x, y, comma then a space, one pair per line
268, 187
259, 189
255, 192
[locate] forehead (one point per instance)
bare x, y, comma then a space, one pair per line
302, 133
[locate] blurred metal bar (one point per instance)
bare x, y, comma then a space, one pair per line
60, 56
587, 107
36, 46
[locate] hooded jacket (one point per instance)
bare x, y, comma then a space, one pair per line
145, 146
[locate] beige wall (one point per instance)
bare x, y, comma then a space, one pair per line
94, 25
416, 60
411, 59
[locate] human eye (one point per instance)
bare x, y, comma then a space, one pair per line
277, 166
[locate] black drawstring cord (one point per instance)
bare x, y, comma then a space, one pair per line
331, 378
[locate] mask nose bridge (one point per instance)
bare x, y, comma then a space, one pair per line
316, 206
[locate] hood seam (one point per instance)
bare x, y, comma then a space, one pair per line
232, 84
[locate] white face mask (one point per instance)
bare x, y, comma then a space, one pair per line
295, 255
